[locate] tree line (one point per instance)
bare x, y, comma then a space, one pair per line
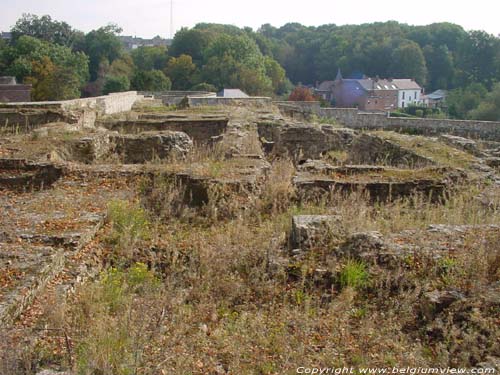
62, 62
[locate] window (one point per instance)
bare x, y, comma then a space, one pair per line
403, 104
403, 96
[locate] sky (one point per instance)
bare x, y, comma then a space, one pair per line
147, 18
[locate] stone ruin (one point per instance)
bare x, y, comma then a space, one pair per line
65, 173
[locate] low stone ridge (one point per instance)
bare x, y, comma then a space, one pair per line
371, 149
20, 174
314, 179
462, 143
148, 146
198, 129
302, 141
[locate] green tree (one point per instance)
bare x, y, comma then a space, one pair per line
151, 80
21, 58
461, 102
53, 82
204, 87
277, 75
116, 84
102, 44
489, 108
181, 71
192, 42
44, 28
408, 61
123, 66
440, 65
149, 58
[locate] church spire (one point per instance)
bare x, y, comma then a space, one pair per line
339, 76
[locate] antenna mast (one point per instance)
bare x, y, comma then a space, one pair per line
171, 19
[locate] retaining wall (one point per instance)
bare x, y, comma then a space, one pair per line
260, 101
351, 117
84, 111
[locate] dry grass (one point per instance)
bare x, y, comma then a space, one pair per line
218, 297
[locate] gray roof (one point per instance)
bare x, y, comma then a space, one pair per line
325, 86
406, 84
232, 93
376, 84
437, 95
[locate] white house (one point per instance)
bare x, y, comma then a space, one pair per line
409, 92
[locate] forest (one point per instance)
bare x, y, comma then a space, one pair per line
62, 62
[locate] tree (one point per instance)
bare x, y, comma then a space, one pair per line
151, 80
29, 53
204, 87
461, 102
408, 61
192, 42
277, 75
102, 44
123, 66
489, 108
53, 82
43, 28
116, 84
149, 58
301, 94
440, 66
181, 71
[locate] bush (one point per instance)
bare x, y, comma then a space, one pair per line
116, 84
354, 275
153, 80
129, 223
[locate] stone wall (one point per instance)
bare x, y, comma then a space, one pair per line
15, 93
351, 117
195, 101
175, 97
78, 111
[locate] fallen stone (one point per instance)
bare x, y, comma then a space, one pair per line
310, 231
461, 143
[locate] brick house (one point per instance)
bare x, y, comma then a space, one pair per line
367, 94
10, 91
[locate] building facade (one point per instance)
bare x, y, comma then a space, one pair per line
11, 92
409, 92
370, 94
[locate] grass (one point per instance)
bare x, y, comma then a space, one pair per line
213, 283
443, 154
354, 275
213, 289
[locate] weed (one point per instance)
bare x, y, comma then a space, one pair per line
354, 275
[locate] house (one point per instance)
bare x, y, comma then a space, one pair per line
367, 94
132, 42
370, 94
232, 93
10, 91
7, 36
434, 99
409, 92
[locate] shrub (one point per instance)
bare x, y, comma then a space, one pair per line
129, 223
116, 84
354, 275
